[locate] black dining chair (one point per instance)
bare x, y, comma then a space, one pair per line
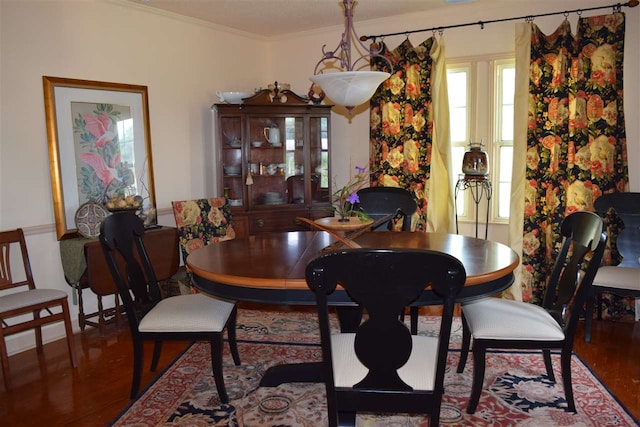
378, 202
382, 367
622, 279
496, 323
190, 317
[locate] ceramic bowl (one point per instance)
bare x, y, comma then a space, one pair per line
233, 97
256, 144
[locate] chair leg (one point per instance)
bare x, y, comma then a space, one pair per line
466, 343
546, 354
81, 316
137, 366
216, 367
101, 324
565, 363
231, 334
38, 332
588, 317
599, 301
479, 354
157, 348
4, 359
69, 330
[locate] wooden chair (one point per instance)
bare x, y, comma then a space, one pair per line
507, 324
28, 300
382, 367
179, 318
623, 279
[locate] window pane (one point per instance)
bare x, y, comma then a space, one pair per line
458, 120
508, 85
506, 163
507, 123
504, 190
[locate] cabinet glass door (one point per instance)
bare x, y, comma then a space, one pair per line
319, 164
231, 137
276, 160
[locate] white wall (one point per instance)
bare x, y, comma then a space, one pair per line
183, 62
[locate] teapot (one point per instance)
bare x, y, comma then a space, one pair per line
272, 134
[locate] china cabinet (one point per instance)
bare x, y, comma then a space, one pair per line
272, 160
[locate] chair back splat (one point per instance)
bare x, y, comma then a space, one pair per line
151, 318
383, 367
507, 324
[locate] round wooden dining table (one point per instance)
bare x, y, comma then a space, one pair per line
270, 268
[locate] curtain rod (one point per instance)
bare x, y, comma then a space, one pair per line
616, 7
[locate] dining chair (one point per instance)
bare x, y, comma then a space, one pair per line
24, 307
378, 202
382, 367
201, 222
496, 323
295, 188
179, 318
622, 279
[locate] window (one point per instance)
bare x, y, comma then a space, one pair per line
481, 92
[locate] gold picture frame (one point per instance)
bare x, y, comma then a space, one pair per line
99, 146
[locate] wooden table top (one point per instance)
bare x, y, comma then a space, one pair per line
277, 261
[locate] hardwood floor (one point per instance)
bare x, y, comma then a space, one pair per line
47, 391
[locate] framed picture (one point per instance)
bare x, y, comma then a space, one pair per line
99, 149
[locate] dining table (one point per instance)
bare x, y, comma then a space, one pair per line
270, 268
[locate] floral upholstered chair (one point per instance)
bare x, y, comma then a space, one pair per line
201, 222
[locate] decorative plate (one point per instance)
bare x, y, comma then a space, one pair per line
88, 218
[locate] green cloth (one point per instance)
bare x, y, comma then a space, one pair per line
73, 261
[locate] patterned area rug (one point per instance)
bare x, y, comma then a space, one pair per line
516, 392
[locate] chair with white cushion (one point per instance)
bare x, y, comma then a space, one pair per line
191, 317
382, 367
496, 323
24, 307
623, 279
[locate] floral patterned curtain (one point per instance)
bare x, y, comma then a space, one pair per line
402, 130
576, 142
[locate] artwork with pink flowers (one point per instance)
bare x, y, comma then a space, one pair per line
104, 151
99, 149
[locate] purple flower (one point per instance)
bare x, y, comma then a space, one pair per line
353, 198
359, 169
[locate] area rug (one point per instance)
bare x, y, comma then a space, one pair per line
516, 391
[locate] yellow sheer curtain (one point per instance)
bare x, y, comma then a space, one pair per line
440, 210
521, 112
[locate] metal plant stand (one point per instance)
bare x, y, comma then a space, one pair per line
479, 185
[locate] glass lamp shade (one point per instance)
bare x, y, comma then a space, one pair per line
350, 88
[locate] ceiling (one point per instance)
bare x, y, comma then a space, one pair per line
272, 18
